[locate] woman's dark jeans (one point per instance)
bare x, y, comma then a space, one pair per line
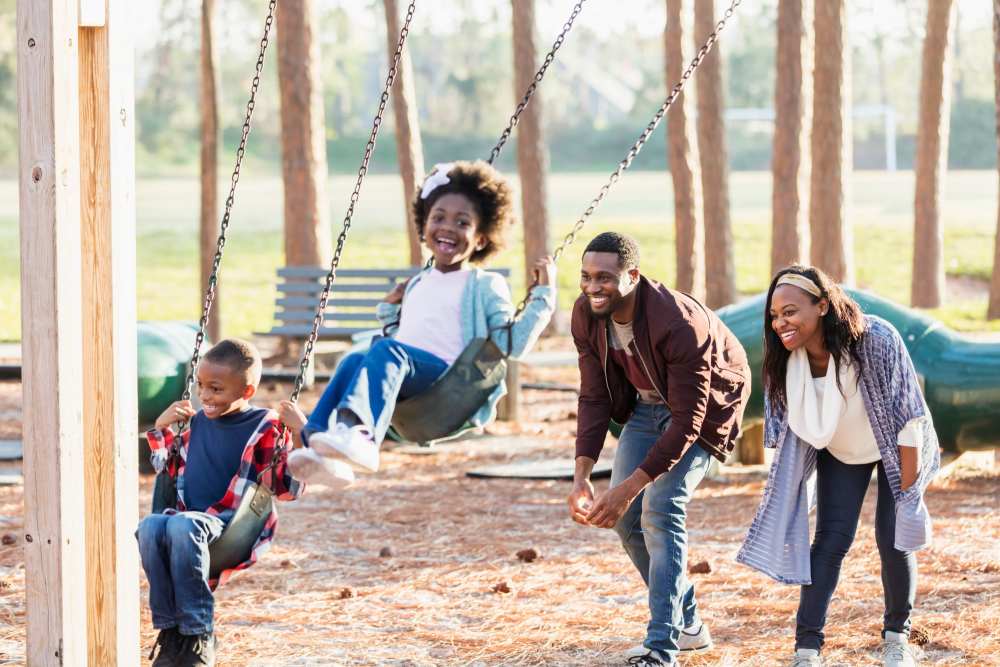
841, 491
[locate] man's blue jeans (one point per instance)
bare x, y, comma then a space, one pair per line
174, 552
369, 384
653, 529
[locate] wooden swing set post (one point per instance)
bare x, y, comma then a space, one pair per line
77, 229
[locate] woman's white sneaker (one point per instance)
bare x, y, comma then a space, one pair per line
693, 640
896, 651
806, 657
353, 444
306, 465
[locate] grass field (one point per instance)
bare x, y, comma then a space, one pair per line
641, 204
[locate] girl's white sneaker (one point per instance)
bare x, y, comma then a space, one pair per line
353, 444
308, 466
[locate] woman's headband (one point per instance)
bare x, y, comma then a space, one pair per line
802, 282
437, 178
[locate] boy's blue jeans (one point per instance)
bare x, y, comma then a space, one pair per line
369, 384
174, 552
653, 529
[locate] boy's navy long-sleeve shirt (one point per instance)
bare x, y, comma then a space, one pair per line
214, 454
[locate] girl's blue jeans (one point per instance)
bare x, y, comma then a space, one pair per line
369, 384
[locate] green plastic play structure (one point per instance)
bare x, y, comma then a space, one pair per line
960, 376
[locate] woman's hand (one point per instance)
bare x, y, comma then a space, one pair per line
179, 411
909, 466
545, 270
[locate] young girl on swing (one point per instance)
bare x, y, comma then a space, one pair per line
462, 213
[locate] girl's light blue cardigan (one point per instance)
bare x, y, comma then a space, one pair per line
777, 543
485, 308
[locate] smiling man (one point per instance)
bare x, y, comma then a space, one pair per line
666, 367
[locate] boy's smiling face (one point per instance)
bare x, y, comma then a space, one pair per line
222, 389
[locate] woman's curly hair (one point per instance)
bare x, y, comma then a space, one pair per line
488, 191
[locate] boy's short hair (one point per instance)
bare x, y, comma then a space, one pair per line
240, 356
488, 191
624, 246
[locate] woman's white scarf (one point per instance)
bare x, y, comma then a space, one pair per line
813, 421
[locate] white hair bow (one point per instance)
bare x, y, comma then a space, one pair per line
437, 177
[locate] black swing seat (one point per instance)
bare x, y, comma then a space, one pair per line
448, 404
237, 540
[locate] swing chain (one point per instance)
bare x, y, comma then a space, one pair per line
331, 276
539, 75
220, 243
675, 92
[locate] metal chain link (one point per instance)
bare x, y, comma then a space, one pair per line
636, 147
539, 75
220, 243
331, 276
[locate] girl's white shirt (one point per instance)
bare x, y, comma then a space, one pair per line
431, 320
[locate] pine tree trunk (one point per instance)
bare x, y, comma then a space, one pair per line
303, 137
682, 153
532, 159
720, 271
209, 219
993, 311
790, 154
409, 147
927, 282
830, 231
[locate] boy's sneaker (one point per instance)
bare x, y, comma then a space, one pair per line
693, 640
355, 444
196, 650
807, 657
651, 658
896, 650
306, 465
168, 641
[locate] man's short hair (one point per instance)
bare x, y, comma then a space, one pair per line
624, 246
240, 356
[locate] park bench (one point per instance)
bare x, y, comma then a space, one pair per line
350, 310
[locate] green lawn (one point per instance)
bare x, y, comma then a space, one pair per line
640, 204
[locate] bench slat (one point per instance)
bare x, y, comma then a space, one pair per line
292, 302
344, 288
302, 330
340, 316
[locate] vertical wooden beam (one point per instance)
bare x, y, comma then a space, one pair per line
107, 183
49, 220
209, 220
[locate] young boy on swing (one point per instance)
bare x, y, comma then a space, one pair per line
227, 446
462, 214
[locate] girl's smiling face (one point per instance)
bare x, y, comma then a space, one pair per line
451, 232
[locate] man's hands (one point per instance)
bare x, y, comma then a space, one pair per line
581, 500
179, 411
611, 505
